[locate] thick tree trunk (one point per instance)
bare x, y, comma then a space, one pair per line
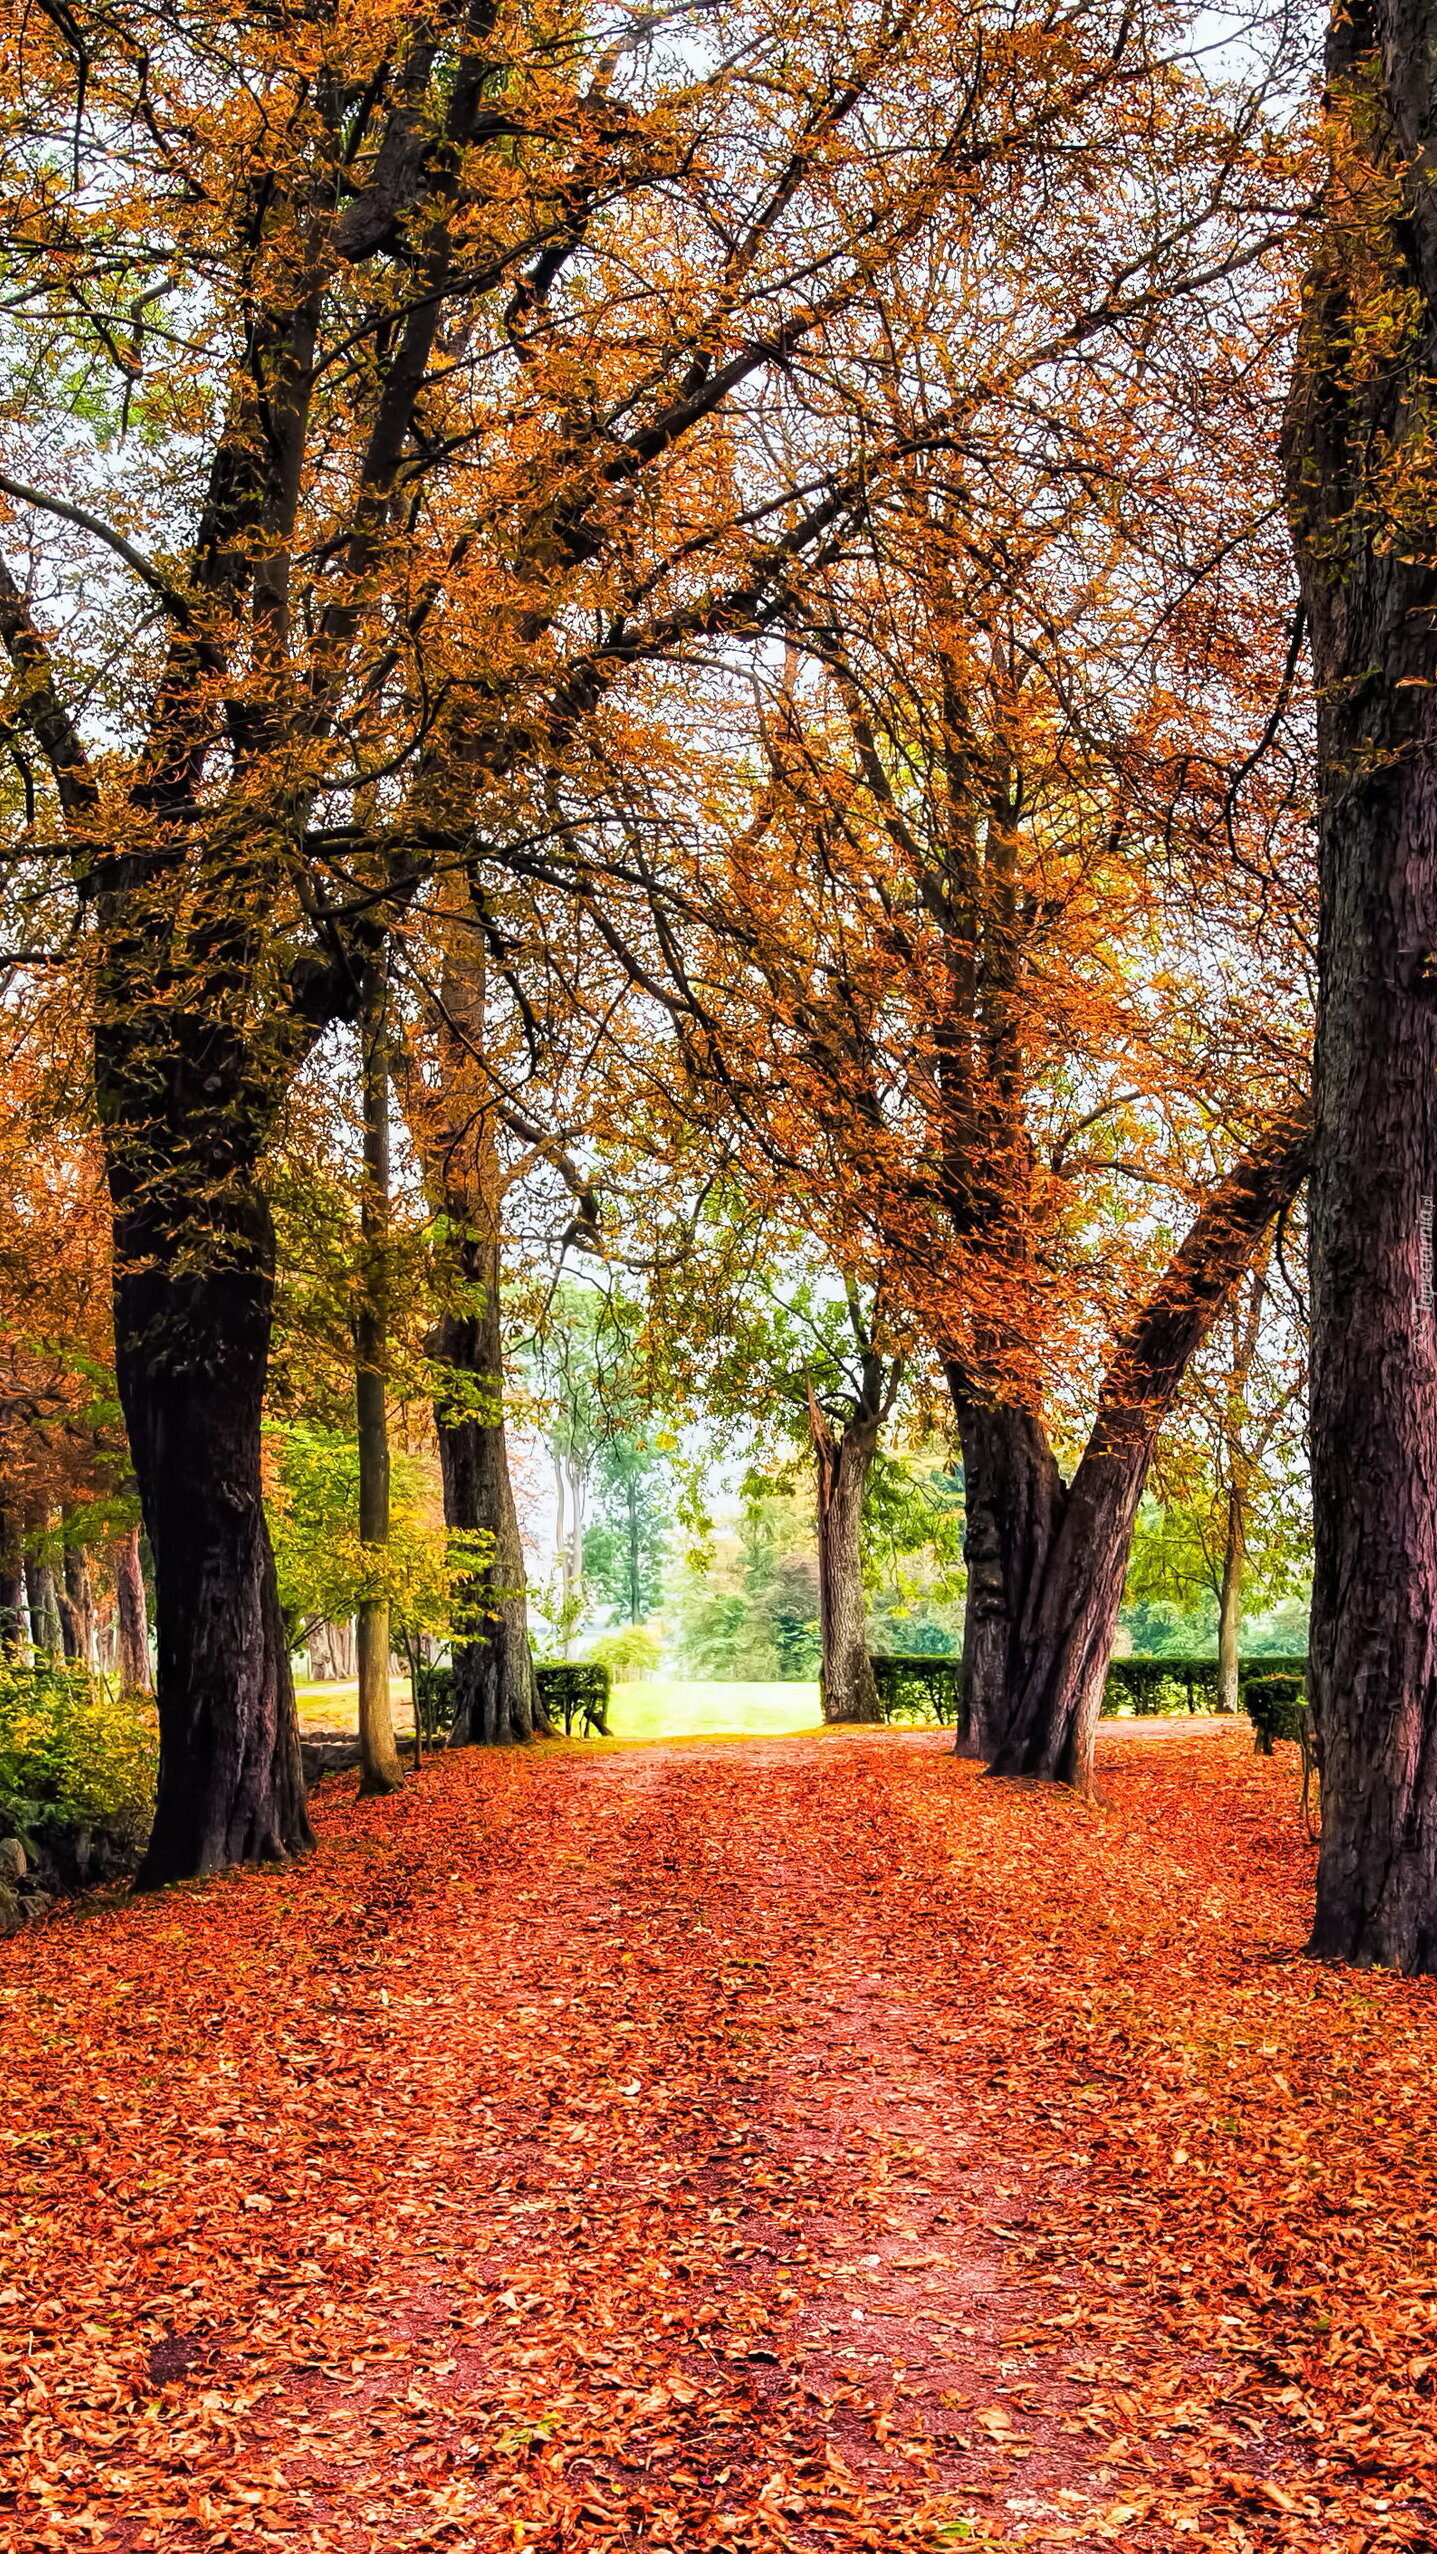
194, 1304
1013, 1499
132, 1614
192, 1335
842, 1462
1070, 1616
379, 1767
1051, 1562
1361, 485
1229, 1614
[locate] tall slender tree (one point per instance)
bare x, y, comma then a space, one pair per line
1363, 493
378, 1757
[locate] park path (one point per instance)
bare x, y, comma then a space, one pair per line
797, 2143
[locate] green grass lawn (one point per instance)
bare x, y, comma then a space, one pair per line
662, 1707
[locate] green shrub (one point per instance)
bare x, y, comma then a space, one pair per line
1151, 1686
576, 1692
1275, 1706
917, 1684
434, 1697
75, 1752
628, 1654
1146, 1683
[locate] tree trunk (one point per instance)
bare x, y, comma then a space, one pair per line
77, 1606
636, 1610
192, 1333
379, 1767
1051, 1562
46, 1635
495, 1691
1361, 488
130, 1608
183, 1125
14, 1616
843, 1461
1013, 1499
1229, 1617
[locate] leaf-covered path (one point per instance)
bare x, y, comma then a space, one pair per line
799, 2144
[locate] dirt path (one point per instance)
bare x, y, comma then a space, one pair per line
794, 2143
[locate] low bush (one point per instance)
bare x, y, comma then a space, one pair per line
576, 1692
75, 1752
917, 1684
628, 1654
1276, 1707
433, 1690
1154, 1686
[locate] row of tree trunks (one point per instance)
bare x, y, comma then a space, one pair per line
49, 1618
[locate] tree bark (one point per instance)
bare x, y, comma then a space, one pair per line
192, 1330
1361, 490
46, 1633
184, 1121
1229, 1614
1052, 1561
132, 1614
843, 1461
379, 1767
77, 1606
495, 1690
14, 1616
1013, 1499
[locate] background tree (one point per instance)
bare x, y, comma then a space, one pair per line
1233, 1519
978, 997
625, 1546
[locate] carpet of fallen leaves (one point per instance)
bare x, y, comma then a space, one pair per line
796, 2144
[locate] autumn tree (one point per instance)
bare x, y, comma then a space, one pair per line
417, 349
977, 972
1363, 490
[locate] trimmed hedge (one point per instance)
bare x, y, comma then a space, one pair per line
568, 1693
916, 1685
1156, 1685
1277, 1708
